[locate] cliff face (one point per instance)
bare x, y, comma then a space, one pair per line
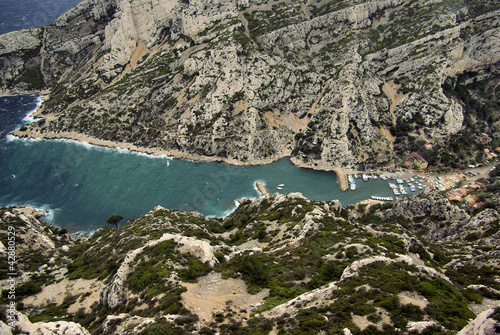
283, 263
331, 83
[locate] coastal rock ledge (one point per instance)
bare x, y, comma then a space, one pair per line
333, 84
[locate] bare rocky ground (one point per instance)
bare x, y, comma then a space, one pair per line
212, 295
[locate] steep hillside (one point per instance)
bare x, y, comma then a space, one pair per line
282, 265
332, 83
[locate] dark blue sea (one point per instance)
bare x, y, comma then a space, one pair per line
21, 14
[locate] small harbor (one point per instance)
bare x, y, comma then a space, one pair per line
397, 185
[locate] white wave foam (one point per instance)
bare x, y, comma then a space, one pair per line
142, 154
231, 210
49, 213
126, 151
86, 145
10, 95
12, 138
29, 117
91, 146
84, 233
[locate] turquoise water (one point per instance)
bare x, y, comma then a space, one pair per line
82, 185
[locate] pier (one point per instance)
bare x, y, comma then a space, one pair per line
262, 189
342, 176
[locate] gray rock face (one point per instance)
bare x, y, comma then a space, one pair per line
43, 328
484, 324
431, 204
252, 81
441, 221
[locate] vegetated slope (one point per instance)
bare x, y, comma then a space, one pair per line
333, 83
284, 264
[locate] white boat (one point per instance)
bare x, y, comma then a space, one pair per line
365, 177
350, 179
352, 186
402, 189
279, 188
281, 185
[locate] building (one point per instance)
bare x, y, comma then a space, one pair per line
418, 160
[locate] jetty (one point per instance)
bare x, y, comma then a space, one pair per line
262, 189
342, 175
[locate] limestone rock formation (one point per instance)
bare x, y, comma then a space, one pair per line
482, 325
333, 84
24, 326
281, 262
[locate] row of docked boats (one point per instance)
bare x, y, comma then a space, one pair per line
413, 184
352, 183
367, 176
374, 197
364, 176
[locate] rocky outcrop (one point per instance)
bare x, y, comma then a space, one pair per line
24, 325
23, 224
447, 217
484, 324
439, 220
300, 260
252, 81
115, 293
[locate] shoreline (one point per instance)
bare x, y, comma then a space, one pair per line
175, 154
9, 93
340, 172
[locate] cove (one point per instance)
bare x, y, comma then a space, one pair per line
81, 185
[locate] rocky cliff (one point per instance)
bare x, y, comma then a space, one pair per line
333, 83
281, 265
